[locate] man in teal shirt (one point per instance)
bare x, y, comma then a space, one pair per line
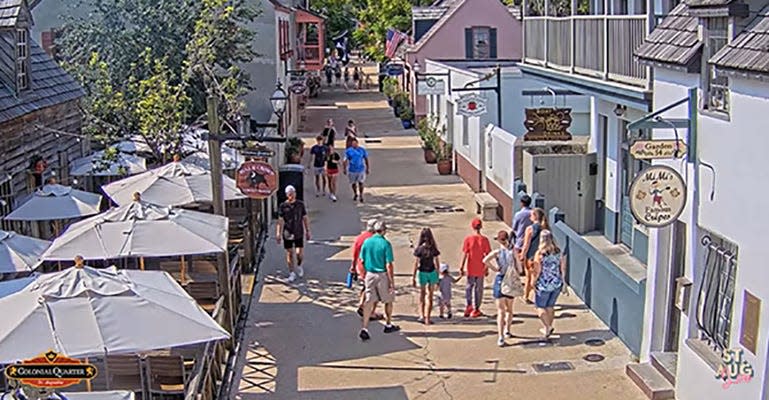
377, 258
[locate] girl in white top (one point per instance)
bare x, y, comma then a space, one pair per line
501, 260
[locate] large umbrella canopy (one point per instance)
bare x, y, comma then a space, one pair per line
54, 201
87, 312
175, 184
197, 148
12, 286
95, 165
135, 144
141, 229
19, 253
107, 395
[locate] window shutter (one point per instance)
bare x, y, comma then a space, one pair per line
468, 43
493, 43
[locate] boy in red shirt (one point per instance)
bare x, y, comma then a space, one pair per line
475, 248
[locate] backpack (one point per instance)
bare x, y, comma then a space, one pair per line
511, 284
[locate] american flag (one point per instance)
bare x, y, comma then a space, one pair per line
394, 38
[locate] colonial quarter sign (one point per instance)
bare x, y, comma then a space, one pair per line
257, 179
547, 124
657, 196
471, 105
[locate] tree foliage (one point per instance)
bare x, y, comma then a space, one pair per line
375, 18
341, 15
147, 66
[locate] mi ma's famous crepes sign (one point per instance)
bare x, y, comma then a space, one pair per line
51, 370
657, 196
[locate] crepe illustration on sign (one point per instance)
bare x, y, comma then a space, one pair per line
547, 124
658, 196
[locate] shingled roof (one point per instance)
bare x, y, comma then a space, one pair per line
674, 42
10, 10
428, 12
707, 3
749, 51
50, 85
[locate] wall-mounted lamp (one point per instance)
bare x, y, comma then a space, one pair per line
416, 67
620, 110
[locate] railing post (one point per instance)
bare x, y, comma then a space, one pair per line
524, 9
546, 23
605, 45
573, 44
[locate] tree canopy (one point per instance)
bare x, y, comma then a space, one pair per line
147, 66
375, 18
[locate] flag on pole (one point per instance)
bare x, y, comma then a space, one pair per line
394, 39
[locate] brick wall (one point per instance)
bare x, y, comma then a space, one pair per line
468, 172
505, 210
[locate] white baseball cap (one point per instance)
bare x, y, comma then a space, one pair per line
370, 224
444, 267
290, 189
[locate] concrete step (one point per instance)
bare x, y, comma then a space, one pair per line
667, 364
650, 381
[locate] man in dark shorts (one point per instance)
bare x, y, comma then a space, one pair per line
319, 153
293, 227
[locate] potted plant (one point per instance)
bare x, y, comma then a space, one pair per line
407, 116
294, 150
390, 88
400, 101
444, 153
428, 138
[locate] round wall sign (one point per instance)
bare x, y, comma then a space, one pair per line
257, 179
657, 196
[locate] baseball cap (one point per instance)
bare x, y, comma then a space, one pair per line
371, 224
444, 267
290, 189
477, 223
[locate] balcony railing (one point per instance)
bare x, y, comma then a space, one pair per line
598, 46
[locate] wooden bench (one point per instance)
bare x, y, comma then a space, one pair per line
487, 206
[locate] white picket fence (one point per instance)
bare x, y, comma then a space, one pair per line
500, 157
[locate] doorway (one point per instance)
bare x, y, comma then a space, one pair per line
677, 265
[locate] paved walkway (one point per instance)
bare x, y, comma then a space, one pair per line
301, 338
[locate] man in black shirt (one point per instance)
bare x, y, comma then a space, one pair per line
293, 226
329, 132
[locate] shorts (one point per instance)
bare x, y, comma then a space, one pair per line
378, 288
332, 171
427, 278
546, 299
318, 170
496, 290
357, 177
290, 244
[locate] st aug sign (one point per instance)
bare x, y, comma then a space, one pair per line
471, 105
657, 196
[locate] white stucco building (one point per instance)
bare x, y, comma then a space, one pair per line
717, 245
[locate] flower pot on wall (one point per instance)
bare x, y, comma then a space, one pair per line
444, 167
430, 156
406, 124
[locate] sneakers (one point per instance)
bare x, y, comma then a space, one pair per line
363, 335
468, 311
300, 271
291, 277
360, 311
546, 332
333, 198
355, 197
476, 313
508, 334
448, 315
391, 328
501, 342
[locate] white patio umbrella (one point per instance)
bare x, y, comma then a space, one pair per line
94, 165
134, 144
86, 312
141, 229
54, 202
12, 286
19, 253
231, 159
175, 184
105, 395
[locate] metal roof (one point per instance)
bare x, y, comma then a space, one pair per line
674, 41
10, 10
707, 3
749, 51
50, 85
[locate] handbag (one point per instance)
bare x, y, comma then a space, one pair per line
511, 284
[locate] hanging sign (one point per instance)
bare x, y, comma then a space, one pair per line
431, 86
658, 149
394, 69
471, 105
657, 196
51, 370
256, 179
547, 124
298, 88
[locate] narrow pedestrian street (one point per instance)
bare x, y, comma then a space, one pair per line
301, 339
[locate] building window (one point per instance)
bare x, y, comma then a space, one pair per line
716, 292
465, 132
6, 201
22, 59
717, 83
481, 43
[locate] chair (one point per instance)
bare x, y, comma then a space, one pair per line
205, 293
165, 375
124, 373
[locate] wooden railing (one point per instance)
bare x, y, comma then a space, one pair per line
598, 46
